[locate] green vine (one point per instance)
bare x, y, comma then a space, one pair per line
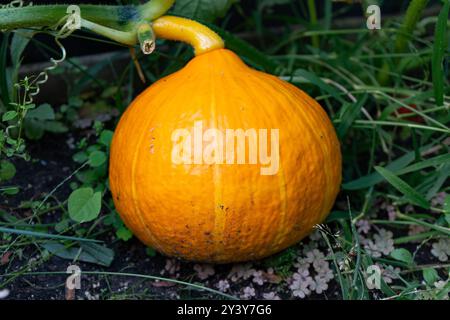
118, 23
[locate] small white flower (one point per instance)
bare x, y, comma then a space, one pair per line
223, 285
271, 296
321, 284
239, 271
363, 226
301, 285
389, 273
302, 265
258, 278
204, 271
314, 255
382, 244
441, 249
172, 267
249, 292
440, 284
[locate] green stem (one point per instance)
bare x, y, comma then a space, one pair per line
404, 34
412, 16
313, 19
125, 37
115, 22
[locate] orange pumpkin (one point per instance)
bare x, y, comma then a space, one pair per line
222, 211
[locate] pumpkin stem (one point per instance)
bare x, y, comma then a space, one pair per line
200, 37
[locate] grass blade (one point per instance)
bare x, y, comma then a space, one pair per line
435, 161
350, 114
4, 92
44, 235
408, 191
439, 48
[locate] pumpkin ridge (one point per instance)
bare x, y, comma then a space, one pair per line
150, 118
326, 148
304, 117
219, 214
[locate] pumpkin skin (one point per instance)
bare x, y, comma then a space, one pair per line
222, 213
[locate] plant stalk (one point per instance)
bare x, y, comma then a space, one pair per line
118, 23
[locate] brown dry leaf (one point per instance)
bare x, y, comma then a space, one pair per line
5, 258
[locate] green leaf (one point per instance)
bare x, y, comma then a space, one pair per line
9, 115
439, 48
97, 158
103, 255
207, 10
43, 112
106, 138
10, 191
34, 129
7, 170
55, 127
91, 253
430, 276
80, 157
408, 191
402, 255
123, 233
84, 205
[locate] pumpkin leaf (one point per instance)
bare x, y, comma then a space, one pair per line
84, 205
439, 48
408, 191
403, 255
43, 112
206, 10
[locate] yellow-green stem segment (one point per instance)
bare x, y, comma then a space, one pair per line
200, 37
